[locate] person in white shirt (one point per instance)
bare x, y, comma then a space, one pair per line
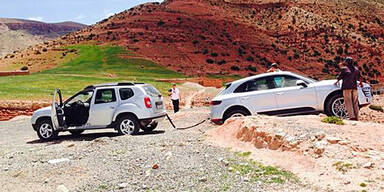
175, 97
274, 68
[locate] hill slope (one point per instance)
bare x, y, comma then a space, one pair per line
244, 37
16, 34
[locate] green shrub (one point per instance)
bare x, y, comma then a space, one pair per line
250, 59
210, 61
376, 108
235, 68
214, 54
25, 68
251, 68
333, 120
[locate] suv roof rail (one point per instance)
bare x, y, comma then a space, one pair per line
113, 84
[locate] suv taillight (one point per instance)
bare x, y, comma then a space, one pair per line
215, 103
147, 102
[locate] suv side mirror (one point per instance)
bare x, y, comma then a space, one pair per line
301, 83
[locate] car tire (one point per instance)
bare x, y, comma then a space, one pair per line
149, 128
76, 132
335, 105
128, 125
236, 113
45, 130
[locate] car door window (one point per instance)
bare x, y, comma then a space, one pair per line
85, 97
126, 93
282, 81
254, 85
105, 96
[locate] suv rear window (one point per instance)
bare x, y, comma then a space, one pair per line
126, 93
151, 91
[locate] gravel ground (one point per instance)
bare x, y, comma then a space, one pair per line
165, 160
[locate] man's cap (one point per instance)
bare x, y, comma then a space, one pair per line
348, 60
174, 84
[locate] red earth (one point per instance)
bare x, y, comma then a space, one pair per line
239, 37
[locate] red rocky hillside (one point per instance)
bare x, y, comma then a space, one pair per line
235, 37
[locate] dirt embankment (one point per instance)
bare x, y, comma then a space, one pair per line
331, 157
11, 109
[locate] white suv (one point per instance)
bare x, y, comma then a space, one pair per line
282, 93
126, 107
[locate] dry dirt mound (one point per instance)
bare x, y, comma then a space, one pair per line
329, 156
11, 109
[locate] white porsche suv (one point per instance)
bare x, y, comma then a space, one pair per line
282, 93
125, 107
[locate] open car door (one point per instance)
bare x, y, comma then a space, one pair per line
57, 111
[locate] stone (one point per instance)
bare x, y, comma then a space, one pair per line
123, 185
319, 147
368, 165
333, 140
320, 135
382, 167
55, 161
203, 179
155, 166
62, 188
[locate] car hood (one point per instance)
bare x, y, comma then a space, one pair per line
325, 82
45, 110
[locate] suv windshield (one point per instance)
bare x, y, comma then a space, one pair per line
151, 91
85, 97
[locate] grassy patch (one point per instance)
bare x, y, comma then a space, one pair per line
343, 166
258, 172
94, 64
243, 154
333, 120
376, 108
363, 184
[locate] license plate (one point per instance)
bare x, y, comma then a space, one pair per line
159, 104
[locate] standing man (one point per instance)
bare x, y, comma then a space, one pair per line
350, 74
175, 97
274, 68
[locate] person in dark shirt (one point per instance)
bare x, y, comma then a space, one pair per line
350, 74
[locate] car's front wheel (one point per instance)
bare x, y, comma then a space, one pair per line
128, 125
335, 106
45, 130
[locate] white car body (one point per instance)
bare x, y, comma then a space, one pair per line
298, 95
126, 99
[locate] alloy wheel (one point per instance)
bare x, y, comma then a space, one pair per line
339, 109
46, 130
127, 126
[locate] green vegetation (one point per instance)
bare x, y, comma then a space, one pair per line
257, 172
333, 120
93, 65
243, 154
343, 166
376, 108
363, 184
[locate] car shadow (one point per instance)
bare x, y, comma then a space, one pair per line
89, 137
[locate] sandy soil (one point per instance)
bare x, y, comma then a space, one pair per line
331, 157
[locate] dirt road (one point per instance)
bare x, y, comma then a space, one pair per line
165, 160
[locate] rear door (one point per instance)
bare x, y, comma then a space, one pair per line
156, 99
103, 107
291, 96
257, 95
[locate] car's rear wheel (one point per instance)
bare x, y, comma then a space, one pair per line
76, 132
128, 125
236, 113
335, 106
45, 130
149, 128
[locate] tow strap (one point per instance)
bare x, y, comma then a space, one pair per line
183, 128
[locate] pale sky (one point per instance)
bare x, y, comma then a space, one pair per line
52, 11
